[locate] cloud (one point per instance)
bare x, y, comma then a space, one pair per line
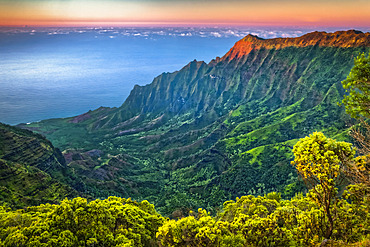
166, 32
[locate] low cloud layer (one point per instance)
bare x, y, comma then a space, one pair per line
160, 32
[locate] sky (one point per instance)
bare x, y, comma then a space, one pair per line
334, 13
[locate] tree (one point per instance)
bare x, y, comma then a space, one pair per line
319, 160
357, 104
111, 222
359, 169
357, 84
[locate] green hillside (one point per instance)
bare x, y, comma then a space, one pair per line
32, 171
211, 132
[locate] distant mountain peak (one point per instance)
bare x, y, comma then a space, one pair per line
350, 38
251, 36
352, 31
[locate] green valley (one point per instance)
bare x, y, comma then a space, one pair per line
212, 132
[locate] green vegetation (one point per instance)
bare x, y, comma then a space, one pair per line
32, 171
267, 221
357, 84
248, 221
111, 222
301, 221
184, 142
178, 144
320, 160
22, 186
211, 132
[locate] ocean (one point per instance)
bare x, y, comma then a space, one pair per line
61, 72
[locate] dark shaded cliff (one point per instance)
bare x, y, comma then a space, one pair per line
31, 169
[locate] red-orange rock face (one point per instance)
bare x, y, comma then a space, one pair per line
344, 39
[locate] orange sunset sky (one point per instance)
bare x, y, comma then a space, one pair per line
191, 12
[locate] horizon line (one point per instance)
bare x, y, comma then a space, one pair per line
184, 24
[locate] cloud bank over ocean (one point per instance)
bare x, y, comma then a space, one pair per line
158, 32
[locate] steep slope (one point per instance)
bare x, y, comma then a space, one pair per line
210, 132
30, 168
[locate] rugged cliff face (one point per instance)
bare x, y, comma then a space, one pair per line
22, 146
254, 69
30, 168
210, 132
343, 39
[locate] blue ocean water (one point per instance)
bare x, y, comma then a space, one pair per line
62, 72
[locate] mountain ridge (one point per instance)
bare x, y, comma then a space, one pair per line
211, 132
175, 99
345, 39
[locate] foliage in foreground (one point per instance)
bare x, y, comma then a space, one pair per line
320, 161
268, 221
111, 222
248, 221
